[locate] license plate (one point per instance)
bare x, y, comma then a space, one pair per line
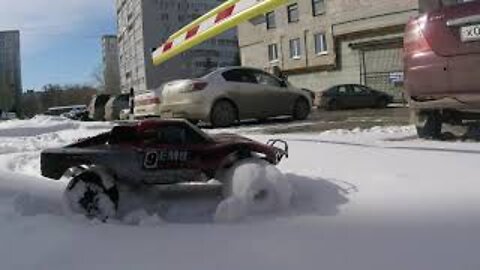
167, 115
470, 33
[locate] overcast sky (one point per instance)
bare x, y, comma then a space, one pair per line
60, 39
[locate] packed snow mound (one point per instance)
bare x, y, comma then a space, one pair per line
36, 126
28, 197
253, 186
372, 134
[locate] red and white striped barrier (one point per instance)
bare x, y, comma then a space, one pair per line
228, 16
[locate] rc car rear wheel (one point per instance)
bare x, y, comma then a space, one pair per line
92, 193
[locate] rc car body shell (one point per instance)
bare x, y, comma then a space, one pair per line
155, 152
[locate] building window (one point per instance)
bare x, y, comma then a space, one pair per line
292, 11
318, 7
320, 43
295, 50
272, 52
270, 18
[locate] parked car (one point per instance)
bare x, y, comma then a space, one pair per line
311, 93
147, 104
115, 105
345, 96
230, 94
80, 113
96, 108
442, 63
7, 115
62, 110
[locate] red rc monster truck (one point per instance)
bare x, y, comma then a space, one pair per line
151, 152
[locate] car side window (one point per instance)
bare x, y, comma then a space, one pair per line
174, 135
368, 90
238, 75
266, 79
122, 134
342, 90
359, 90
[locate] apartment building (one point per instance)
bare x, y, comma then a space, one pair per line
10, 71
320, 43
146, 24
111, 66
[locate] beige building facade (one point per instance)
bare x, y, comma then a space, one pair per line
320, 43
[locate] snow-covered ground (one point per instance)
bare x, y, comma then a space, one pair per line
361, 199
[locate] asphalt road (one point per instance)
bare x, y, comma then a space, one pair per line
321, 120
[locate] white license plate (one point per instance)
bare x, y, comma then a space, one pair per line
470, 33
167, 115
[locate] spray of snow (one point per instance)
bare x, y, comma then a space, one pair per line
255, 187
141, 218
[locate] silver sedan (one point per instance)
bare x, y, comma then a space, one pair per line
232, 94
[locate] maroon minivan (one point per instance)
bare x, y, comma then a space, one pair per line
442, 65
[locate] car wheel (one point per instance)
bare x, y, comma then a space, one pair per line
382, 103
332, 105
93, 194
301, 109
428, 124
223, 114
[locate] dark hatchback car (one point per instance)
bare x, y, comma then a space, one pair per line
442, 65
353, 96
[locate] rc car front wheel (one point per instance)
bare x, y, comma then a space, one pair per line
92, 193
252, 186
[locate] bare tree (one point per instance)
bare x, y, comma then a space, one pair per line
98, 77
53, 95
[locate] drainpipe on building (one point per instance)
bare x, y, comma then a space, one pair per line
305, 36
281, 53
132, 104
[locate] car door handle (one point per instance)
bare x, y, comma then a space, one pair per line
463, 21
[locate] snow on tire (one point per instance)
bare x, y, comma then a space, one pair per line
252, 186
92, 194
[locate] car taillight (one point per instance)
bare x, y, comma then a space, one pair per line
415, 42
155, 100
147, 101
199, 85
